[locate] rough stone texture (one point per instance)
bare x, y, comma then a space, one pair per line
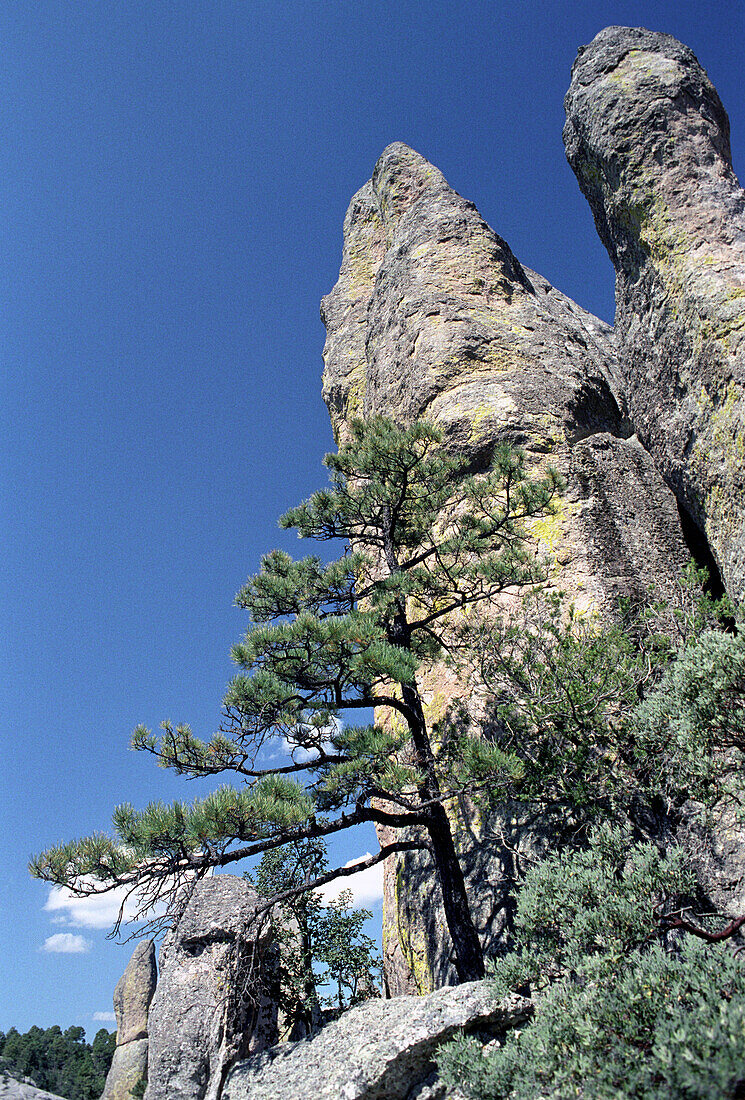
132, 997
648, 139
433, 315
128, 1067
13, 1089
718, 854
380, 1050
133, 994
213, 1002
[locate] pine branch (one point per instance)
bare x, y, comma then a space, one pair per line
346, 871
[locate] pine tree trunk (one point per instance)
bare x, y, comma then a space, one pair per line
469, 957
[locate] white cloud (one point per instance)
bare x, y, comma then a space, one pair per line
97, 911
65, 943
366, 886
105, 1017
298, 753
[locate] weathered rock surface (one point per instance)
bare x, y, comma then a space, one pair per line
132, 997
648, 139
434, 315
133, 994
13, 1089
380, 1050
131, 1003
213, 1003
128, 1069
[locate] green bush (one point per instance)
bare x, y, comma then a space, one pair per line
622, 1008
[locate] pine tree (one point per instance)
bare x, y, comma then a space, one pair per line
425, 540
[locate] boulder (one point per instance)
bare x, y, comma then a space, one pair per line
648, 139
380, 1050
213, 1003
128, 1069
13, 1088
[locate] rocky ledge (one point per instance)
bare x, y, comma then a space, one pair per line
380, 1050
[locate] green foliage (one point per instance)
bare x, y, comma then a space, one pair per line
689, 733
610, 718
425, 541
598, 902
326, 961
60, 1062
618, 1013
348, 958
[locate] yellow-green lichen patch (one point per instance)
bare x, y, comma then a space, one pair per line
355, 395
436, 710
550, 530
480, 417
412, 940
722, 444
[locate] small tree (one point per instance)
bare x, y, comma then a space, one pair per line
347, 954
321, 946
285, 871
425, 540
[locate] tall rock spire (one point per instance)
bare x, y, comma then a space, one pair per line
648, 139
434, 315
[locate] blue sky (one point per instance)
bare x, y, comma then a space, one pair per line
173, 179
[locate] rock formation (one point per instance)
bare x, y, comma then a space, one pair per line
380, 1050
648, 139
214, 1002
132, 998
434, 315
12, 1088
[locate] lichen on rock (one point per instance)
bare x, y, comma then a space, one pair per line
648, 139
433, 315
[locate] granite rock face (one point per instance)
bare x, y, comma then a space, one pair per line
133, 994
132, 998
380, 1050
214, 1000
11, 1088
648, 139
434, 315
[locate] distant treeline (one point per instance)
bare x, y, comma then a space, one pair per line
60, 1061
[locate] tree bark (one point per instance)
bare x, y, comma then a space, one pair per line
469, 957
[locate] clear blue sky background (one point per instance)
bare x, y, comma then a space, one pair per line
173, 179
